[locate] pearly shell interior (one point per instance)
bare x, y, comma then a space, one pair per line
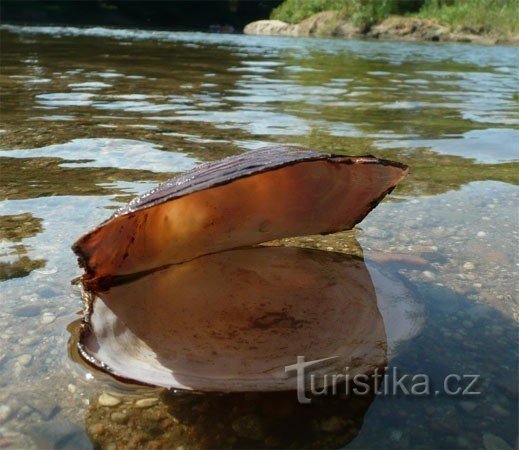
232, 321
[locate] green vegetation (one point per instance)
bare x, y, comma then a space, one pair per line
480, 16
19, 268
295, 11
360, 12
18, 227
367, 12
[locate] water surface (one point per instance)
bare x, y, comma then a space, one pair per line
92, 117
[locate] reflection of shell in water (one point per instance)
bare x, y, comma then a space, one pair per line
225, 421
232, 321
403, 315
246, 199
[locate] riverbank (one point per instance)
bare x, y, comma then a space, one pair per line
331, 24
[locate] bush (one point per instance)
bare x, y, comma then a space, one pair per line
481, 16
368, 12
500, 16
295, 11
361, 12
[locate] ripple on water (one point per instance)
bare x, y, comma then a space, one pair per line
491, 145
171, 99
116, 153
89, 85
65, 99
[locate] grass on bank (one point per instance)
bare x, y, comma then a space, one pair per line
360, 12
482, 16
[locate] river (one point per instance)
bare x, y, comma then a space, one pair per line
91, 117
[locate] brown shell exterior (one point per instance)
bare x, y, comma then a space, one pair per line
223, 172
217, 173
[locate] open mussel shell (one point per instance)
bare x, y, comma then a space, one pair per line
254, 197
233, 321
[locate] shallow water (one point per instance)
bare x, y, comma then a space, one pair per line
92, 117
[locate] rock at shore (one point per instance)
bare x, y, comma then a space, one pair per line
324, 24
331, 24
270, 28
416, 29
410, 28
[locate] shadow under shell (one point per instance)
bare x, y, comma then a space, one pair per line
233, 321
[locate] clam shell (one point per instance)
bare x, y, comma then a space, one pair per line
254, 197
233, 321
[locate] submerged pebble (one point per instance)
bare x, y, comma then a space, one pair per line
96, 429
396, 435
469, 266
468, 406
5, 412
493, 442
500, 411
146, 402
119, 417
108, 400
25, 359
29, 341
427, 274
47, 318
